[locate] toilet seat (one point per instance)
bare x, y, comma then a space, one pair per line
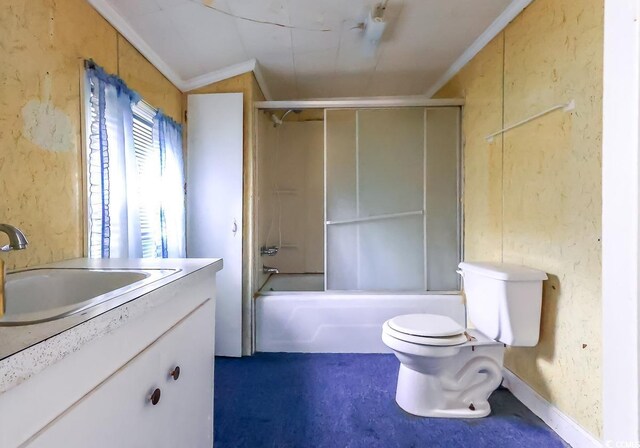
429, 325
425, 329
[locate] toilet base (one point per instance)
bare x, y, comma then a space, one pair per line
426, 395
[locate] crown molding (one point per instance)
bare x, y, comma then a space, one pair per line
219, 75
510, 13
262, 82
119, 23
251, 65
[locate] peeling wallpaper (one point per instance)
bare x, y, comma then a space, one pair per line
47, 126
42, 46
534, 197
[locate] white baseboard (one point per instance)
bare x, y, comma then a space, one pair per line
564, 426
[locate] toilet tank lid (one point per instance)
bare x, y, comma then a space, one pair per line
504, 271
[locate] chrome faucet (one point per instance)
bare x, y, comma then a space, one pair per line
270, 270
17, 240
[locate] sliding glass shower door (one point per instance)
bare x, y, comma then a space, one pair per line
392, 199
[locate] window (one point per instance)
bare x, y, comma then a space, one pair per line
147, 153
135, 178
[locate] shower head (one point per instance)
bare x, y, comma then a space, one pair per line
278, 121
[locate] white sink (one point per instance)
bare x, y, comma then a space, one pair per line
40, 295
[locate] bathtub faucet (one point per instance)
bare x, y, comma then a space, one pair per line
270, 270
17, 240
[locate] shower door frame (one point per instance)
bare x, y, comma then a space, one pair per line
365, 103
459, 186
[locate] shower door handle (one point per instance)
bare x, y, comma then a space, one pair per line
234, 229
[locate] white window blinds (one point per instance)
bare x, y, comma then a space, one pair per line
147, 154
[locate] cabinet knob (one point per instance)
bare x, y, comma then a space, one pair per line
155, 397
175, 373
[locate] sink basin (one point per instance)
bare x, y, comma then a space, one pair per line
40, 295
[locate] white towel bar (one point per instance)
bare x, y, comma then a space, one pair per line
567, 107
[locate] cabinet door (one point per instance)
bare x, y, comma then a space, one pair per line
119, 412
214, 204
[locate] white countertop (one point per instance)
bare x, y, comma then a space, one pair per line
187, 265
28, 349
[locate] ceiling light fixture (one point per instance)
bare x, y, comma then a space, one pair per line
375, 24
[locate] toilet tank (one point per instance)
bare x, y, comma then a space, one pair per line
504, 301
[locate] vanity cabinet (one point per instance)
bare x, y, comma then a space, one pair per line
163, 397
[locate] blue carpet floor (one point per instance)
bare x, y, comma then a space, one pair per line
330, 400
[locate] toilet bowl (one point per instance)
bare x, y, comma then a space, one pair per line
443, 376
447, 370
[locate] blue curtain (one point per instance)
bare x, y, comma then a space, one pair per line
115, 201
113, 209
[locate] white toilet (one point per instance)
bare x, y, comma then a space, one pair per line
449, 371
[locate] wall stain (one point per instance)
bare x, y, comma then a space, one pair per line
47, 126
42, 46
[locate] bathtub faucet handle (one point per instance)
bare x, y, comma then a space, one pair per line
269, 251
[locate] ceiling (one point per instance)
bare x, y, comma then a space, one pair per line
320, 52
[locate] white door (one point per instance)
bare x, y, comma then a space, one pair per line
214, 204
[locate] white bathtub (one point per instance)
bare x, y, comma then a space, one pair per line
315, 321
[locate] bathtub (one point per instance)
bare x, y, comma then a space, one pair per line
294, 314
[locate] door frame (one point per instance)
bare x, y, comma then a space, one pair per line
620, 224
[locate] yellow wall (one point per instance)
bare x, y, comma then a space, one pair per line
534, 197
42, 46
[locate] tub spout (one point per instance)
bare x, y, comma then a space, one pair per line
270, 270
